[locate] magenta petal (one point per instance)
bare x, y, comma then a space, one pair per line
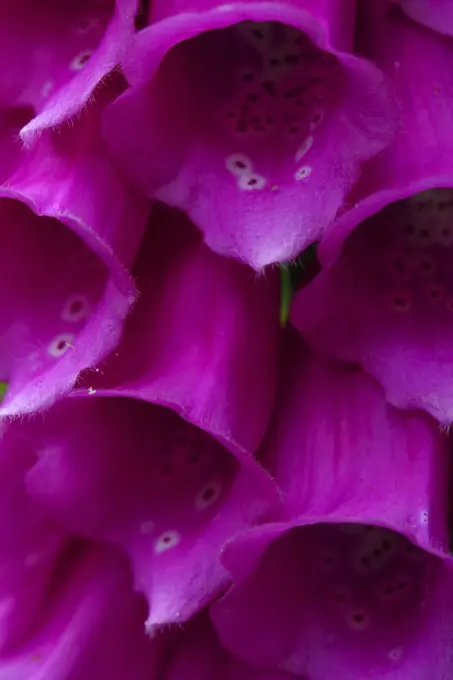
203, 338
138, 476
30, 545
344, 582
93, 627
64, 252
197, 654
386, 301
53, 54
247, 142
200, 346
436, 14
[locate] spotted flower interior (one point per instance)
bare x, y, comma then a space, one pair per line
387, 302
55, 284
138, 476
58, 52
357, 598
261, 115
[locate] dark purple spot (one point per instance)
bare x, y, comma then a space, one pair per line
402, 585
339, 597
422, 205
259, 35
166, 470
427, 265
194, 458
434, 293
424, 233
252, 98
316, 118
166, 539
290, 94
270, 88
365, 561
409, 229
445, 231
398, 263
270, 121
252, 182
388, 590
292, 58
242, 126
84, 58
248, 77
400, 302
230, 114
208, 494
369, 527
358, 618
274, 62
241, 165
62, 345
255, 119
293, 129
386, 545
76, 307
377, 552
443, 205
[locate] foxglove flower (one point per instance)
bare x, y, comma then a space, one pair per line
65, 246
242, 114
196, 654
155, 456
67, 607
436, 14
53, 54
355, 574
385, 297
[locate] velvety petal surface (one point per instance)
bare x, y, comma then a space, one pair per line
436, 14
203, 338
93, 626
196, 654
53, 54
357, 576
137, 475
65, 246
242, 114
31, 545
385, 297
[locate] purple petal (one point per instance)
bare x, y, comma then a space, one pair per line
344, 581
197, 654
65, 248
93, 626
436, 14
248, 142
31, 546
138, 476
387, 301
53, 54
203, 338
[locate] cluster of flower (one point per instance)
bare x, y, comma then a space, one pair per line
227, 339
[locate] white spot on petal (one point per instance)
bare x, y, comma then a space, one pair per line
208, 496
395, 654
80, 60
251, 182
147, 527
358, 619
75, 309
304, 147
303, 172
167, 541
400, 302
239, 165
60, 344
46, 88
